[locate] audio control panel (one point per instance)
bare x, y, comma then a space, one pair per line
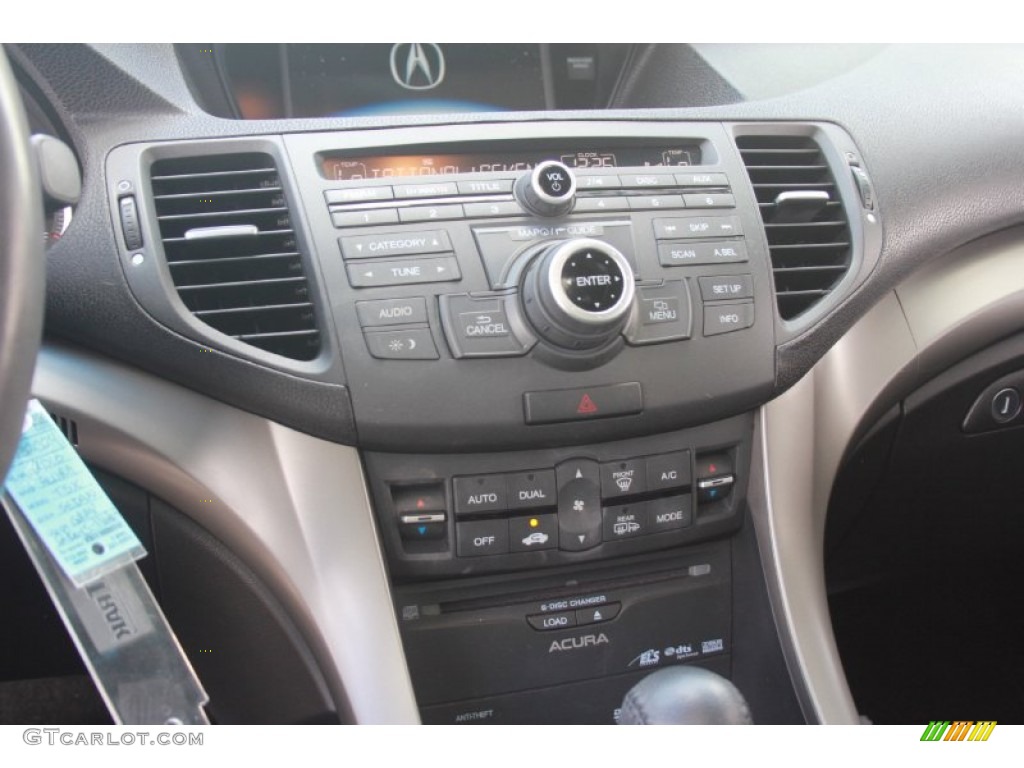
478, 289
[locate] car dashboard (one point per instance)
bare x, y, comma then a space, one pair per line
463, 383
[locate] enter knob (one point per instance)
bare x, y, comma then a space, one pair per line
549, 190
578, 293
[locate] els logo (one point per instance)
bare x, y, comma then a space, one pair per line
959, 730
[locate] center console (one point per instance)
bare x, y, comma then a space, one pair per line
551, 343
554, 337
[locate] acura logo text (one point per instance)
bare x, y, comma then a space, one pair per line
417, 66
572, 643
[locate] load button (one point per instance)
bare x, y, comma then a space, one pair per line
545, 622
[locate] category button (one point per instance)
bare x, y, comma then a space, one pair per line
392, 244
392, 311
726, 318
480, 493
482, 537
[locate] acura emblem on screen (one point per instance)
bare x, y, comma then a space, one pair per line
417, 66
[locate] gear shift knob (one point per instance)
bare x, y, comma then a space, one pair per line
684, 696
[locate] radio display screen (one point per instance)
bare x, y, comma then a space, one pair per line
353, 168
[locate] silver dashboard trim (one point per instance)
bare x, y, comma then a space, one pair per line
294, 508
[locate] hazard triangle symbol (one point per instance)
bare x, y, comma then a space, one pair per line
586, 405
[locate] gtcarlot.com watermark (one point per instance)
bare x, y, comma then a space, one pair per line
75, 737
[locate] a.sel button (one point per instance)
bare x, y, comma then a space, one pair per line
484, 537
725, 318
694, 254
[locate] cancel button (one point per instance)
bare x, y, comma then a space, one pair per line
483, 325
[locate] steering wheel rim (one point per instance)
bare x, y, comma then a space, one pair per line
22, 265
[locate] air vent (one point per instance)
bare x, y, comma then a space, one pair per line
68, 427
808, 234
232, 250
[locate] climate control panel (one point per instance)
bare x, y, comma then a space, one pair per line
456, 514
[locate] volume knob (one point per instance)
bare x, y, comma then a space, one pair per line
578, 293
548, 190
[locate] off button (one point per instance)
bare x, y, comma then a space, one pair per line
484, 537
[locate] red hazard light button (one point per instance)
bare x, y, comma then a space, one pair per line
552, 406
